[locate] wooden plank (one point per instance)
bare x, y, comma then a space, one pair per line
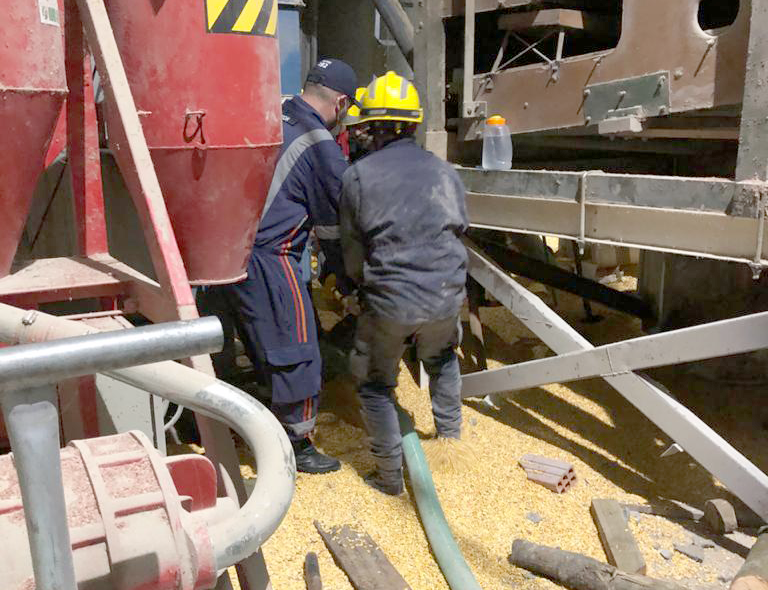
312, 572
618, 542
361, 559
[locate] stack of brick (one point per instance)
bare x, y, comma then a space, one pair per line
554, 475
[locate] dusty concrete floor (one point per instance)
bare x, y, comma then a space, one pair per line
615, 450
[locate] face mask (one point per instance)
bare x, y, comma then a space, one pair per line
342, 106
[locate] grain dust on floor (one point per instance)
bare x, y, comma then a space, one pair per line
614, 449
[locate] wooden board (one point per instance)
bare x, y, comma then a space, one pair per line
312, 572
361, 559
618, 542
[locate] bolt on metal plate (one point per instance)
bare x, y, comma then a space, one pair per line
649, 92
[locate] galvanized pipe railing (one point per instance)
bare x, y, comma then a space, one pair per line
242, 535
33, 365
32, 422
27, 375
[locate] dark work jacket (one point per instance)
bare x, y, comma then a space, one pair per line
402, 216
305, 190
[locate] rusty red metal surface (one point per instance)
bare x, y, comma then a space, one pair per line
83, 143
128, 525
210, 110
32, 88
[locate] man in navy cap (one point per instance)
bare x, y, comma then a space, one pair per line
273, 305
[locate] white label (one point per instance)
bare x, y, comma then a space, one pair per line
49, 12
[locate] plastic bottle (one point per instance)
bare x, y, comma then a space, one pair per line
497, 144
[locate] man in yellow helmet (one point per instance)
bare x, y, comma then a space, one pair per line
359, 140
402, 214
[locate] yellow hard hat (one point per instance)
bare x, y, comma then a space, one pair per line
353, 113
391, 98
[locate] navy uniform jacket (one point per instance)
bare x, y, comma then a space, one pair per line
273, 302
402, 216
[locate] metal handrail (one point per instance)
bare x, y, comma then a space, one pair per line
233, 539
43, 363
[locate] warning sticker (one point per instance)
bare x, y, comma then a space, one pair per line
243, 17
49, 12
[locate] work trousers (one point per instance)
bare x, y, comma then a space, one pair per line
379, 346
273, 316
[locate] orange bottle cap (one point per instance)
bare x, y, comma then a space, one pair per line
496, 120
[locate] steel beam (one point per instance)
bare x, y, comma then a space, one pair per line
554, 276
429, 69
723, 338
83, 142
714, 195
702, 443
469, 107
716, 219
752, 162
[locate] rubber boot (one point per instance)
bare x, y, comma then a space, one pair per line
388, 482
310, 460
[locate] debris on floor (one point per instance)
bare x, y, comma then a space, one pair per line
361, 559
720, 516
579, 572
613, 448
557, 476
690, 551
312, 572
616, 537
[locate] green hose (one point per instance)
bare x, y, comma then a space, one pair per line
444, 547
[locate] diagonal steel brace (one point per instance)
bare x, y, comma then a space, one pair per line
722, 338
702, 443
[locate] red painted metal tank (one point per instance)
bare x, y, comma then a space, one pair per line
205, 76
32, 89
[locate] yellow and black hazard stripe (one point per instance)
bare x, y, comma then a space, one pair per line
241, 17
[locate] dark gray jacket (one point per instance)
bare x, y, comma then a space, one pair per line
402, 214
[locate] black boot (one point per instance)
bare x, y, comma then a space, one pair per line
310, 460
388, 482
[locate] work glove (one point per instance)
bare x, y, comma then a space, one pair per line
350, 304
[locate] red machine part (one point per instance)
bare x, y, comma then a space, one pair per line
137, 520
209, 104
32, 89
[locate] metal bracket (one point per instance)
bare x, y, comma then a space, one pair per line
757, 265
476, 109
613, 99
746, 199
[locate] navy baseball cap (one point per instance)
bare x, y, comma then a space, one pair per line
336, 75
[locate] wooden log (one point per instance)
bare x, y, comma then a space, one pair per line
618, 541
312, 572
361, 559
579, 572
753, 575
